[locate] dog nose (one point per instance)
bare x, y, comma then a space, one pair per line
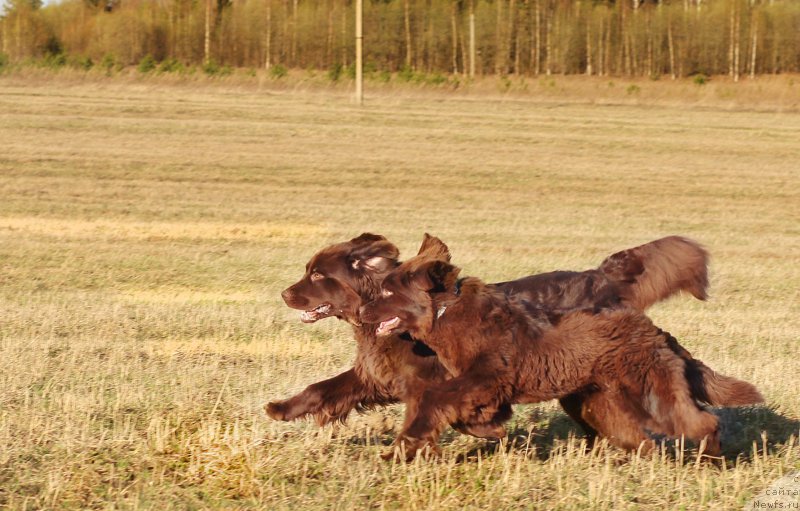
293, 298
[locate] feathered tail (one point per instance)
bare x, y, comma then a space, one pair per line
654, 271
710, 387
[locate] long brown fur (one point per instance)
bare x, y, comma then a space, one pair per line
637, 277
649, 273
630, 374
394, 369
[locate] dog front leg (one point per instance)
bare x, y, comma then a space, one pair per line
328, 401
470, 400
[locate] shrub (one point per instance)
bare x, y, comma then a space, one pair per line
171, 66
3, 62
108, 63
147, 64
54, 60
335, 73
82, 62
211, 67
278, 71
420, 78
700, 79
384, 76
53, 46
406, 74
633, 89
437, 79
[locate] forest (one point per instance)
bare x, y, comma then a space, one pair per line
636, 38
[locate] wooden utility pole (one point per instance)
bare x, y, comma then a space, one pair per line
589, 70
359, 52
731, 39
293, 47
329, 41
4, 41
737, 47
268, 45
345, 53
472, 39
499, 41
454, 30
536, 49
548, 29
754, 25
511, 36
207, 41
407, 25
671, 43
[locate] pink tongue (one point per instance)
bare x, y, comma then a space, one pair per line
385, 326
314, 314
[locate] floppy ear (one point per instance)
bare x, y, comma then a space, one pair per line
367, 238
434, 248
373, 252
436, 276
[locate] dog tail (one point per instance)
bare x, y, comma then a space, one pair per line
710, 387
720, 390
654, 271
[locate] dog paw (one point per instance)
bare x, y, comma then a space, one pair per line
388, 454
486, 430
277, 410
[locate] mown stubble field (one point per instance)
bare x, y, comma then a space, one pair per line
146, 232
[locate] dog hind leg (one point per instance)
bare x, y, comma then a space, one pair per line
614, 417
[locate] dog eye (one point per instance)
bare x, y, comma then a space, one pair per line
317, 276
386, 293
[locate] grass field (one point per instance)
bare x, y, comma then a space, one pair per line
146, 232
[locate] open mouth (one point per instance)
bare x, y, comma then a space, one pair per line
387, 326
312, 315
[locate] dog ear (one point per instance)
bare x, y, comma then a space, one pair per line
367, 238
373, 252
434, 248
436, 276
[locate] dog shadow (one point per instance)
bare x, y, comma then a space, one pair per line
533, 432
745, 433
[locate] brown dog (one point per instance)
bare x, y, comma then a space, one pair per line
341, 278
632, 379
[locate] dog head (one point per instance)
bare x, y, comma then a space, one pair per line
339, 278
405, 303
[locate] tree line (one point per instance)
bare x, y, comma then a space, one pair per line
524, 37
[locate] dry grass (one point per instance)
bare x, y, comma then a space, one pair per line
766, 93
146, 231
